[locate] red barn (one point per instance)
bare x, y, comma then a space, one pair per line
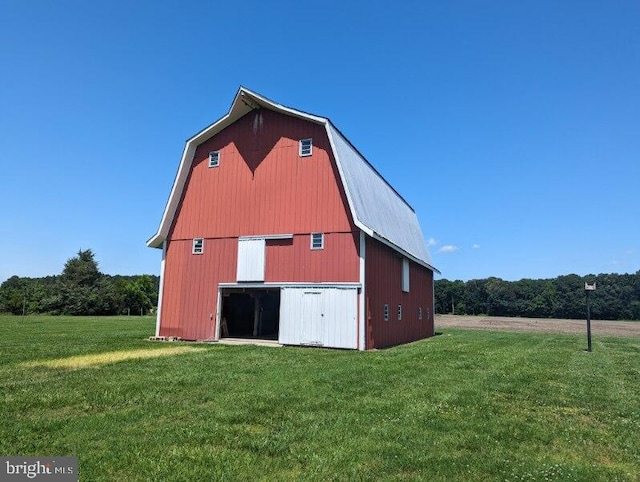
278, 228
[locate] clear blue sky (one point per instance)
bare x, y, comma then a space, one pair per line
512, 128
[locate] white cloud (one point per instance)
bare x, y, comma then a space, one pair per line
475, 246
448, 249
431, 242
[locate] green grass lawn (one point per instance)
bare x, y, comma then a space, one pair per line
465, 405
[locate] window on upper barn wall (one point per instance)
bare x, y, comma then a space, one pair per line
305, 147
399, 312
386, 312
317, 240
214, 158
405, 275
420, 312
198, 246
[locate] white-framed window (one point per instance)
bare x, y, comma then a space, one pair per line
405, 275
214, 158
399, 312
420, 312
317, 240
386, 312
305, 147
198, 246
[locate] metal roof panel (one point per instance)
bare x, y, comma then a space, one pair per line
375, 203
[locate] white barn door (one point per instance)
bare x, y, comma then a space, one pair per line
319, 316
312, 330
250, 259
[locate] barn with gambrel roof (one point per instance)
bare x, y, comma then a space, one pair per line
277, 228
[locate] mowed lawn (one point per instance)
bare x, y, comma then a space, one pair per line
464, 405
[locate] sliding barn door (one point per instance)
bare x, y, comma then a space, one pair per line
319, 316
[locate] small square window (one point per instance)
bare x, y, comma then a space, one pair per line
399, 312
198, 246
214, 158
386, 312
317, 240
305, 147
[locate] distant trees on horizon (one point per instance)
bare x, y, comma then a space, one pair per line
617, 297
81, 289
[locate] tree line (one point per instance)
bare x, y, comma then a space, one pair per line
81, 289
617, 297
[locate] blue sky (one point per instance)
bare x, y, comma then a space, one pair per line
512, 128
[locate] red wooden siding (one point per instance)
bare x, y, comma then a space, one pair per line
262, 186
191, 280
190, 293
383, 273
292, 260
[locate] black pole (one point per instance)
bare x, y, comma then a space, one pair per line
588, 322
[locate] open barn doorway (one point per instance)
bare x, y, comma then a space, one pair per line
250, 313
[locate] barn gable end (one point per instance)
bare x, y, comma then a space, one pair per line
267, 230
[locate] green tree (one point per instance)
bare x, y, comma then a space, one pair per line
450, 297
79, 290
81, 270
570, 297
476, 297
13, 295
617, 297
500, 298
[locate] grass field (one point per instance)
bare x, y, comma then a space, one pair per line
465, 405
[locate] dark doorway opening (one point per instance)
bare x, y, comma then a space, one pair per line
250, 313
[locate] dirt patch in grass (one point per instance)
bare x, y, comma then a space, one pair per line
598, 327
99, 359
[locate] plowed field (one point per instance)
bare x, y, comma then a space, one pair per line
598, 327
